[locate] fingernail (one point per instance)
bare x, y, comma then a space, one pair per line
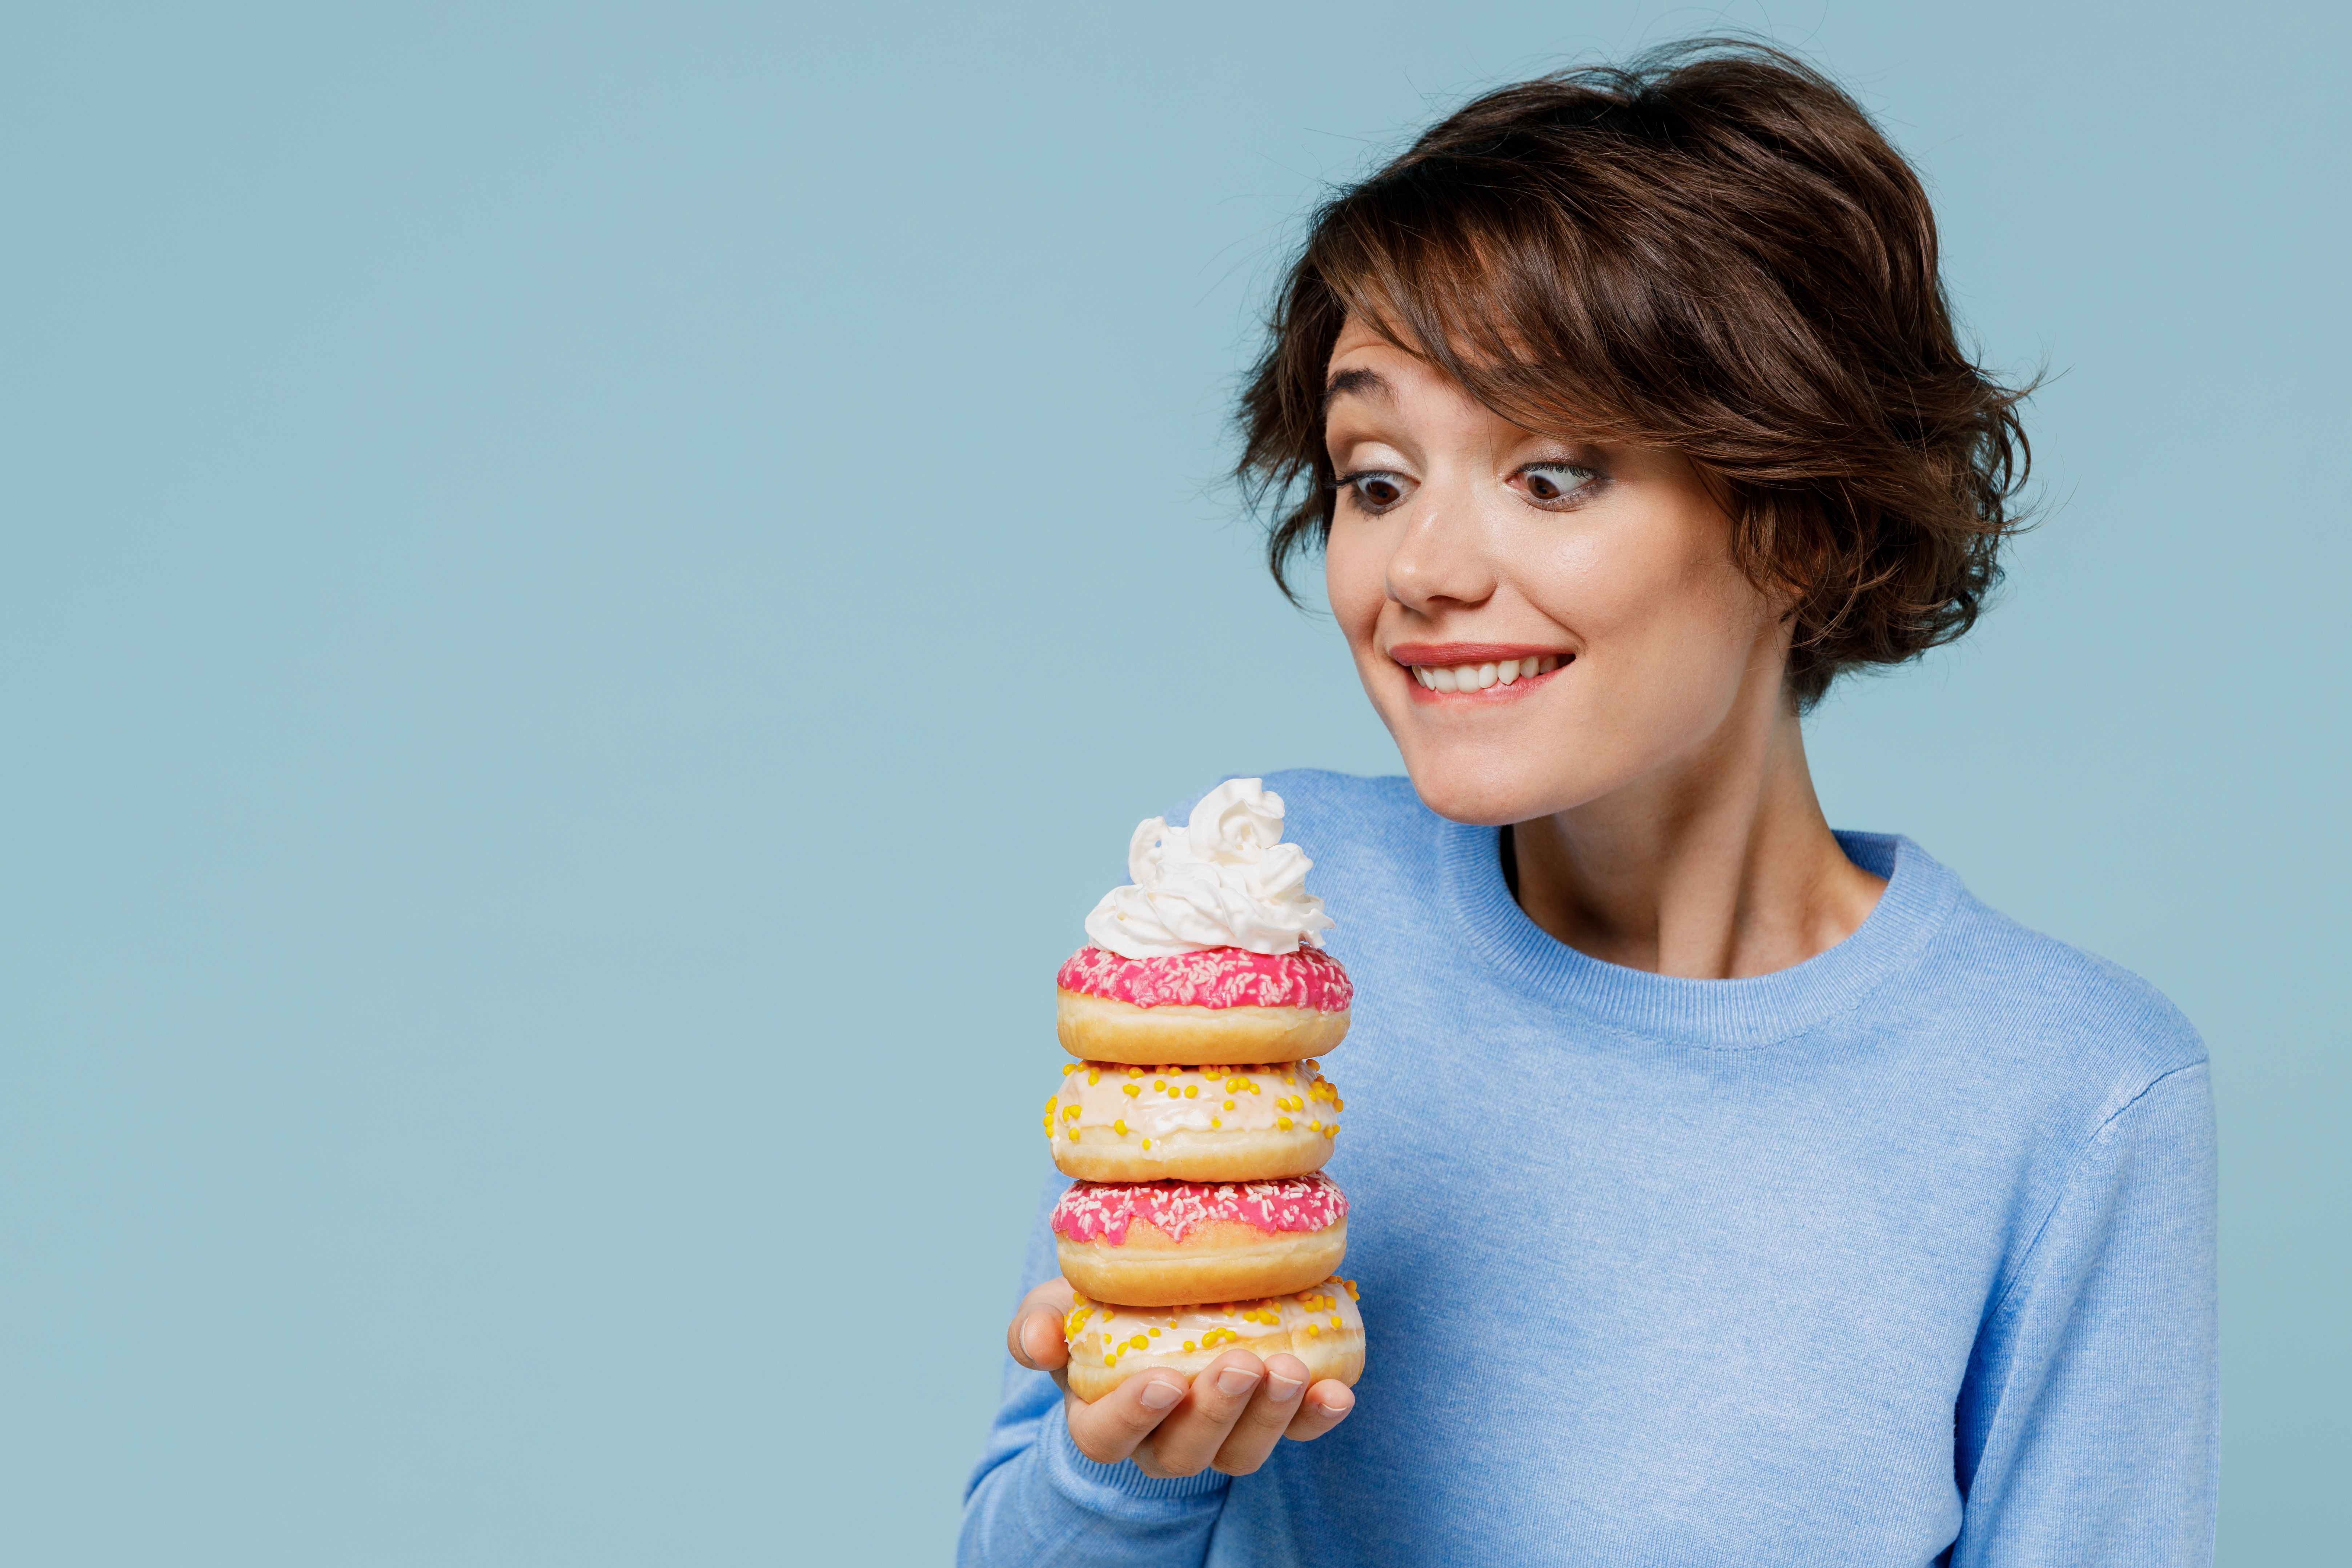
1159, 1394
1338, 1403
1282, 1389
1236, 1381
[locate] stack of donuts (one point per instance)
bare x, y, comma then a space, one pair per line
1196, 1117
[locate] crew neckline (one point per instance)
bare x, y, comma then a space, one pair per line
1757, 1010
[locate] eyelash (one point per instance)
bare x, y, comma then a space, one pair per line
1594, 478
1347, 484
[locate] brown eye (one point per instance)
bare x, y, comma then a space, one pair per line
1557, 481
1375, 491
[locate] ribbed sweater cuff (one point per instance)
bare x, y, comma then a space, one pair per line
1121, 1490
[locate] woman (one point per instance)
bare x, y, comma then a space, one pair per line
1726, 1189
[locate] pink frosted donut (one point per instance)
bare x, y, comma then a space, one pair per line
1157, 1244
1220, 1006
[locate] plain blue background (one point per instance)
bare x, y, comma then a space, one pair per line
591, 593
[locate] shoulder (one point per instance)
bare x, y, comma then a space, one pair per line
2098, 1084
1317, 800
2051, 1010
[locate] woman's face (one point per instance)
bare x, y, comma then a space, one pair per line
1540, 622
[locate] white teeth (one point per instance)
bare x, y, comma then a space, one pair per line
1479, 676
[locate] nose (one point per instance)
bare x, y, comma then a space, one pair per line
1441, 560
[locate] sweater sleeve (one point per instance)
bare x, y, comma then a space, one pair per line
2088, 1424
1036, 1498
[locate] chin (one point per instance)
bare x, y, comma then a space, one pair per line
1482, 796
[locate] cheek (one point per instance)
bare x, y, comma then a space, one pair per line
1355, 581
1667, 625
1684, 645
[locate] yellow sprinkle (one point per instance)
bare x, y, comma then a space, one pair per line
1119, 1126
1138, 1344
1051, 1099
1135, 1072
1094, 1075
1350, 1285
1288, 1078
1049, 1127
1190, 1346
1159, 1083
1069, 1068
1282, 1122
1216, 1122
1314, 1127
1229, 1105
1074, 1134
1335, 1320
1069, 1114
1313, 1333
1129, 1090
1155, 1333
1253, 1087
1192, 1091
1147, 1143
1313, 1065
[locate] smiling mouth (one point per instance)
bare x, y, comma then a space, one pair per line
1487, 675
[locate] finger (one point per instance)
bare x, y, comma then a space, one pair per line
1268, 1414
1038, 1343
1034, 1336
1188, 1439
1325, 1405
1108, 1431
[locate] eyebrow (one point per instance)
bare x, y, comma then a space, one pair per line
1360, 382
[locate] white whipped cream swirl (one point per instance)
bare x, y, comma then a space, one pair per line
1227, 880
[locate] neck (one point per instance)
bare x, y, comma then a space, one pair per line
1714, 867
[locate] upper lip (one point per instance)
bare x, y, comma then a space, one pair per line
1446, 654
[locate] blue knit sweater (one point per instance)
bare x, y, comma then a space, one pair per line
1902, 1256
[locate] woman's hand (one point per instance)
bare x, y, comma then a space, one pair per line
1230, 1416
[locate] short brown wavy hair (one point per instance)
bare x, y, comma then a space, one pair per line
1711, 249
